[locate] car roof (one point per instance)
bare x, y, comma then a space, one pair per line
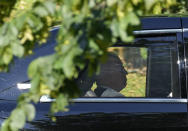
154, 23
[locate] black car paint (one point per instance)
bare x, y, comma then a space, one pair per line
109, 115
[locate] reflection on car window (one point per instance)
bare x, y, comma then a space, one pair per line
141, 70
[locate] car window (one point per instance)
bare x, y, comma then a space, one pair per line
147, 68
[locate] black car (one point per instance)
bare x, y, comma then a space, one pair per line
143, 85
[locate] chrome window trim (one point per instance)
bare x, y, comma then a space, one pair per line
162, 31
140, 100
122, 100
185, 29
55, 27
145, 32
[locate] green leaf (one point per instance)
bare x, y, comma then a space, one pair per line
17, 119
149, 4
2, 39
13, 30
20, 22
68, 66
7, 56
111, 2
34, 22
133, 18
41, 11
4, 28
30, 111
33, 68
35, 83
5, 125
17, 49
115, 27
60, 103
50, 6
93, 45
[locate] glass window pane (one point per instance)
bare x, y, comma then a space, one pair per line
135, 62
148, 68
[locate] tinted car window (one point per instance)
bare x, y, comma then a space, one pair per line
147, 68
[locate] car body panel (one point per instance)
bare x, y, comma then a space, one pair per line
154, 23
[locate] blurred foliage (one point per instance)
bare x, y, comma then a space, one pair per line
88, 28
94, 86
180, 8
6, 7
143, 53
